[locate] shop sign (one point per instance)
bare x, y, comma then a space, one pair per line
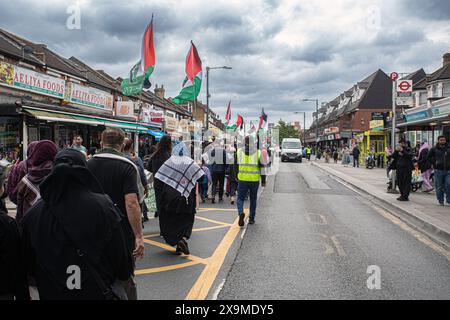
125, 109
171, 123
330, 137
331, 130
378, 115
156, 115
417, 116
377, 125
151, 115
88, 96
441, 111
29, 80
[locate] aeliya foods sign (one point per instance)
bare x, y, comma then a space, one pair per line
29, 80
89, 97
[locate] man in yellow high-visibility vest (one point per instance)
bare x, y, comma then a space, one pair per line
249, 176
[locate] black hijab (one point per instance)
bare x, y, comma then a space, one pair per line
73, 210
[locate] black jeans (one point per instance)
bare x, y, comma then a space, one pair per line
218, 178
356, 161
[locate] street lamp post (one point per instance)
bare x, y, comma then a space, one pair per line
304, 125
317, 116
207, 91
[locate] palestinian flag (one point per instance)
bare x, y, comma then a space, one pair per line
239, 124
228, 115
193, 81
262, 119
141, 71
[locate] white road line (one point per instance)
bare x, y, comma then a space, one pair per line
219, 288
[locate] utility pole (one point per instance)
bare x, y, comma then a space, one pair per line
207, 91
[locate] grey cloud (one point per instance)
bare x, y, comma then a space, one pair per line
427, 9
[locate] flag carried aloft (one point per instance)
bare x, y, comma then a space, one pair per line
141, 71
193, 81
262, 119
228, 115
238, 125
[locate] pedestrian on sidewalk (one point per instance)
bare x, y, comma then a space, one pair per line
75, 224
19, 171
335, 155
162, 153
425, 166
249, 176
179, 176
132, 156
356, 152
39, 164
217, 158
403, 158
345, 156
119, 178
439, 157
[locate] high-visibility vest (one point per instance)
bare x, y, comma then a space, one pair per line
249, 166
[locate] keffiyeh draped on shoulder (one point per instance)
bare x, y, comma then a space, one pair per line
181, 173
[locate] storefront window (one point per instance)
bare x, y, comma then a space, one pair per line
9, 138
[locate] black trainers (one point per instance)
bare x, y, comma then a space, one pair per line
241, 220
251, 221
213, 200
183, 246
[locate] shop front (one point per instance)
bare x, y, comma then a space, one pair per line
372, 142
427, 122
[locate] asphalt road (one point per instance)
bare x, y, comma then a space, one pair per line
315, 239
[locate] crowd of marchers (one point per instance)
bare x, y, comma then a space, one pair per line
78, 229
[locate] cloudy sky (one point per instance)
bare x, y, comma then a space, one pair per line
280, 51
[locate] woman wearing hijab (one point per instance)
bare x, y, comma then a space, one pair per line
17, 173
403, 158
156, 160
75, 225
425, 166
39, 164
178, 176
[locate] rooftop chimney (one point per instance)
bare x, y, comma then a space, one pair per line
160, 92
446, 59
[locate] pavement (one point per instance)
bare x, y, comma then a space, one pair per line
315, 238
421, 212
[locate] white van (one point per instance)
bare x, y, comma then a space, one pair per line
291, 150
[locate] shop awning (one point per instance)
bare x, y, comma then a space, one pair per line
59, 117
156, 134
48, 115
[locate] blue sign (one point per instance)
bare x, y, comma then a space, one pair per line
421, 115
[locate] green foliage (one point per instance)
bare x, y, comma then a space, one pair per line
286, 131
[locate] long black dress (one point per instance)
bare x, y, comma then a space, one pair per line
176, 214
153, 166
404, 165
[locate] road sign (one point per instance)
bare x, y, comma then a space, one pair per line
405, 86
394, 76
405, 93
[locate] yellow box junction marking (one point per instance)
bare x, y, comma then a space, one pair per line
206, 279
194, 260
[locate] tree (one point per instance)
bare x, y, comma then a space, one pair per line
286, 131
